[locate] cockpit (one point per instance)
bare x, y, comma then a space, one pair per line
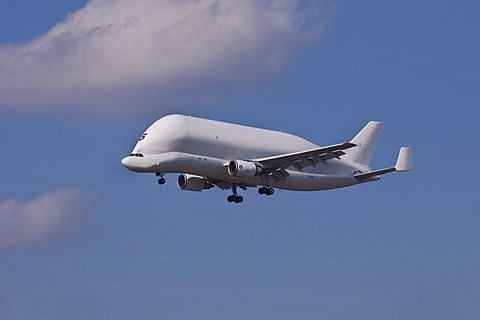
136, 155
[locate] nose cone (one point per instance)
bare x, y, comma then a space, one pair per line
138, 163
128, 163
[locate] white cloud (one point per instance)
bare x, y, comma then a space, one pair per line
122, 56
53, 215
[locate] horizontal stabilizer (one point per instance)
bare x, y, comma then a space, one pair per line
404, 163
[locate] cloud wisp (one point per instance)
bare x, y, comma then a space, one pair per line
54, 215
117, 57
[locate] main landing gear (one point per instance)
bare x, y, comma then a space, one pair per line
266, 191
162, 180
234, 197
239, 199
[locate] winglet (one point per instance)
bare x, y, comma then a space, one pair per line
404, 161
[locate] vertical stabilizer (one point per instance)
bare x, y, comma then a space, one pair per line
366, 141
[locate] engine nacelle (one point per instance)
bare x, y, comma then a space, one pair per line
243, 169
192, 183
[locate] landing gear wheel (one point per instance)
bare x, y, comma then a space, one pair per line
161, 181
235, 198
266, 191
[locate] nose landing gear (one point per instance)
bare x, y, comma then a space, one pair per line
162, 180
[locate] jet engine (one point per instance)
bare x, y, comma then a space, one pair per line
243, 169
192, 183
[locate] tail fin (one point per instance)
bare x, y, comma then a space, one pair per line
366, 141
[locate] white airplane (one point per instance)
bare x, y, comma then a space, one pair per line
210, 153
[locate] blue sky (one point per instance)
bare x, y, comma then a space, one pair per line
404, 247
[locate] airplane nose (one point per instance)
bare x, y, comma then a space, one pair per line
127, 162
136, 162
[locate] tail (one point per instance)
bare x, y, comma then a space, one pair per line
366, 141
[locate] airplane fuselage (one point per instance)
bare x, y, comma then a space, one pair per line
200, 147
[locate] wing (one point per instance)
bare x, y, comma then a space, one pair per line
276, 165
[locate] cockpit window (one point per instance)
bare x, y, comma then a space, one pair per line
143, 136
136, 155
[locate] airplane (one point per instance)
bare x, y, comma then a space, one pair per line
208, 153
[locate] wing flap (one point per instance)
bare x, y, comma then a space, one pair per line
307, 158
222, 185
279, 174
